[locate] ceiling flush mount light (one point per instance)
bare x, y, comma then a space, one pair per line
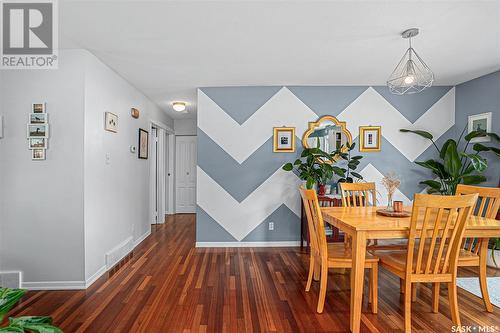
411, 75
179, 106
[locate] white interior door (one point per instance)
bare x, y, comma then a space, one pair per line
185, 174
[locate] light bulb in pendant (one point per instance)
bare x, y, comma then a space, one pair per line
409, 79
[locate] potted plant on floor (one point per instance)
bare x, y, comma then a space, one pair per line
36, 324
454, 165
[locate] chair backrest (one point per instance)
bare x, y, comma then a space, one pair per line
436, 231
315, 223
357, 194
489, 202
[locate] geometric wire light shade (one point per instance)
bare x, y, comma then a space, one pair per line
411, 75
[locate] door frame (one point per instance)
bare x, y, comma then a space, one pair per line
166, 182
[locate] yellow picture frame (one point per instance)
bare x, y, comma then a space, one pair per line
281, 147
366, 133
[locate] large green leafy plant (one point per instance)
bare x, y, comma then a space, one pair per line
352, 163
31, 324
455, 165
311, 168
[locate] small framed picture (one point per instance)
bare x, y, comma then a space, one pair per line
111, 122
38, 118
38, 108
482, 123
38, 131
37, 143
143, 144
370, 138
284, 140
38, 154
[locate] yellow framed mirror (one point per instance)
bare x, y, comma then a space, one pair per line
331, 134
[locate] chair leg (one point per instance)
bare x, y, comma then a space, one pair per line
452, 295
484, 286
317, 269
435, 297
374, 288
322, 288
408, 306
414, 292
311, 273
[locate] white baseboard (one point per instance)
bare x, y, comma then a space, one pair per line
96, 275
249, 244
54, 285
141, 238
76, 285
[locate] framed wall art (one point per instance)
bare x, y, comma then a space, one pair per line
370, 138
38, 154
38, 130
143, 144
284, 140
38, 118
37, 143
38, 108
480, 122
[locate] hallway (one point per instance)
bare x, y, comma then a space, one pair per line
169, 286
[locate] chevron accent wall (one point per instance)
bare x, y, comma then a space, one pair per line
240, 184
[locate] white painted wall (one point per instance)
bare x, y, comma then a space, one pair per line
185, 126
41, 202
116, 194
59, 217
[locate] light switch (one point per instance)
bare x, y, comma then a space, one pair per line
108, 158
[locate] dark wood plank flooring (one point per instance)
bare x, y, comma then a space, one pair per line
170, 286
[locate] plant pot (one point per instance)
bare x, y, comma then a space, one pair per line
322, 190
489, 260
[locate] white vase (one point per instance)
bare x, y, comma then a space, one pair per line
489, 260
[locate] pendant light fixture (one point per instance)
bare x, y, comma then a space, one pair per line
411, 75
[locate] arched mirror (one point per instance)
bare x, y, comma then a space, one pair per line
330, 133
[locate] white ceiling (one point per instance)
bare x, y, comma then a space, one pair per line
169, 48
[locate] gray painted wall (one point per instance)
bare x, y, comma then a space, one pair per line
240, 180
479, 96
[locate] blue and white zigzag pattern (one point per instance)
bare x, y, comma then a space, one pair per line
255, 198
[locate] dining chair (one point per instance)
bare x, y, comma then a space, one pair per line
470, 255
436, 231
358, 195
332, 255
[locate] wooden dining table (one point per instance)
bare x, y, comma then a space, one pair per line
363, 223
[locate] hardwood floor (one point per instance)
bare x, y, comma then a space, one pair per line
170, 286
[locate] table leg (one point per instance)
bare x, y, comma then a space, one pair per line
357, 278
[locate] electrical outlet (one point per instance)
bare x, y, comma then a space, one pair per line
271, 225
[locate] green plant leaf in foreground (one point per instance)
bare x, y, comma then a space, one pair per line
11, 329
42, 328
9, 297
28, 320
